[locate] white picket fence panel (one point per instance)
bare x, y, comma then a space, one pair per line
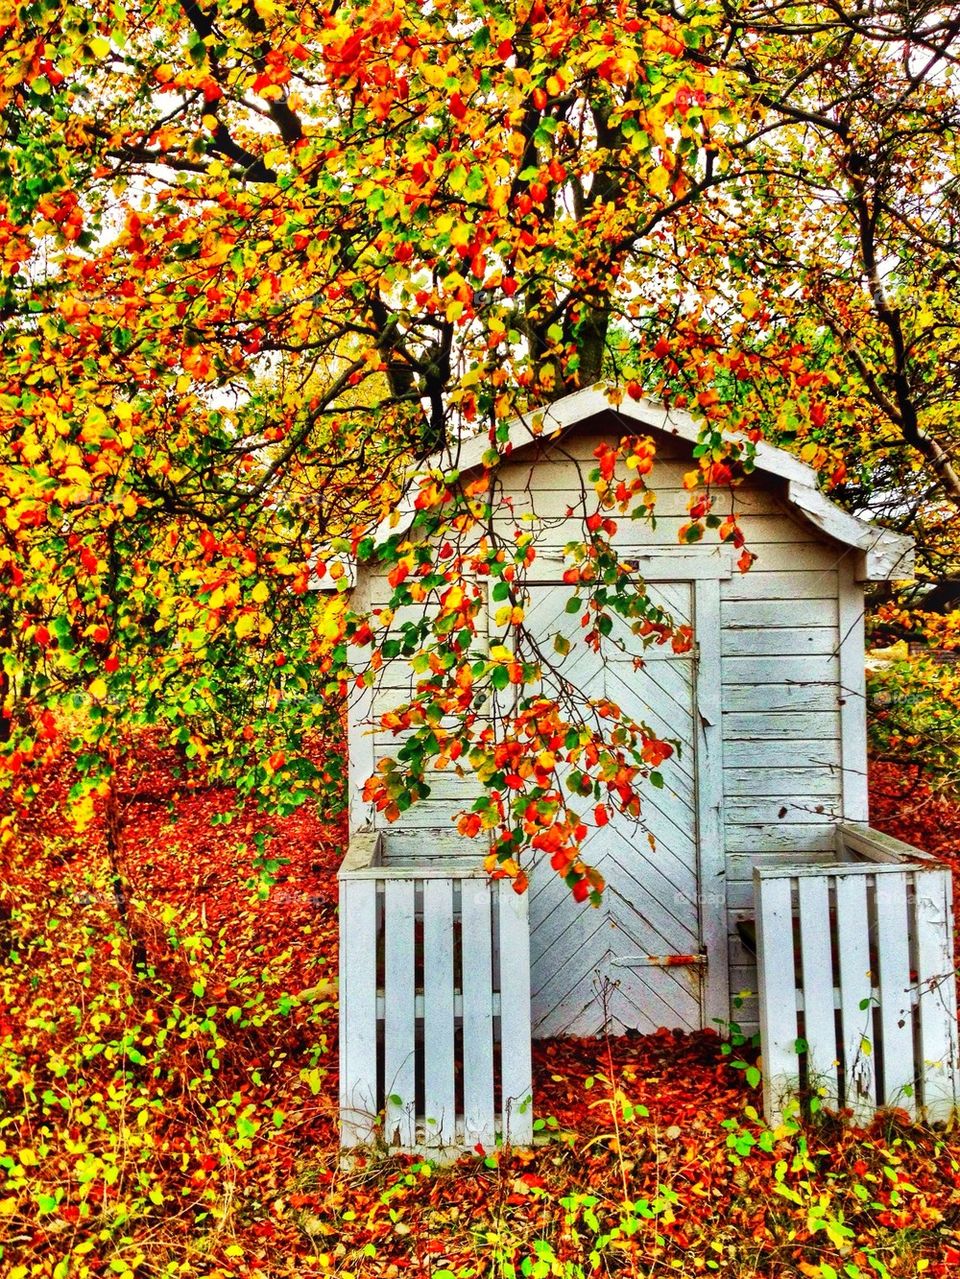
857, 981
434, 1005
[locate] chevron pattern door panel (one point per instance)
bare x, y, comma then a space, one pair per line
634, 963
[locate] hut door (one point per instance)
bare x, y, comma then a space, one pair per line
635, 963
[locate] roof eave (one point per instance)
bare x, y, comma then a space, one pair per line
884, 556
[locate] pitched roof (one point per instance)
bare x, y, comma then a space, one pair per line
884, 555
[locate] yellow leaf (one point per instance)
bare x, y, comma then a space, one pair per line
750, 303
28, 1158
659, 180
129, 506
260, 593
99, 47
245, 624
7, 1208
98, 689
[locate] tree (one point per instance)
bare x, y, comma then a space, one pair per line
262, 259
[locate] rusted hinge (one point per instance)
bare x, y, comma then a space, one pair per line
698, 960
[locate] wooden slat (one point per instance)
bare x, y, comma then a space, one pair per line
815, 669
358, 1011
742, 726
749, 614
814, 780
778, 698
876, 846
635, 906
770, 841
818, 982
745, 811
516, 1072
778, 996
400, 1018
896, 1011
856, 989
853, 689
936, 984
760, 530
440, 1102
711, 781
783, 752
478, 1116
777, 641
790, 585
847, 870
428, 814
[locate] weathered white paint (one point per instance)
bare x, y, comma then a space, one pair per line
434, 979
400, 1022
515, 1053
708, 759
856, 1003
936, 984
853, 697
896, 1013
778, 1005
439, 1056
898, 1044
772, 716
883, 554
652, 905
359, 1102
816, 961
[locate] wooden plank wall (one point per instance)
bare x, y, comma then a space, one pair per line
782, 718
780, 666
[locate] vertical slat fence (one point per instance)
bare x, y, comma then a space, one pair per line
857, 985
434, 1007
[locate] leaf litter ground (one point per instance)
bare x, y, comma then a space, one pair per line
180, 1119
